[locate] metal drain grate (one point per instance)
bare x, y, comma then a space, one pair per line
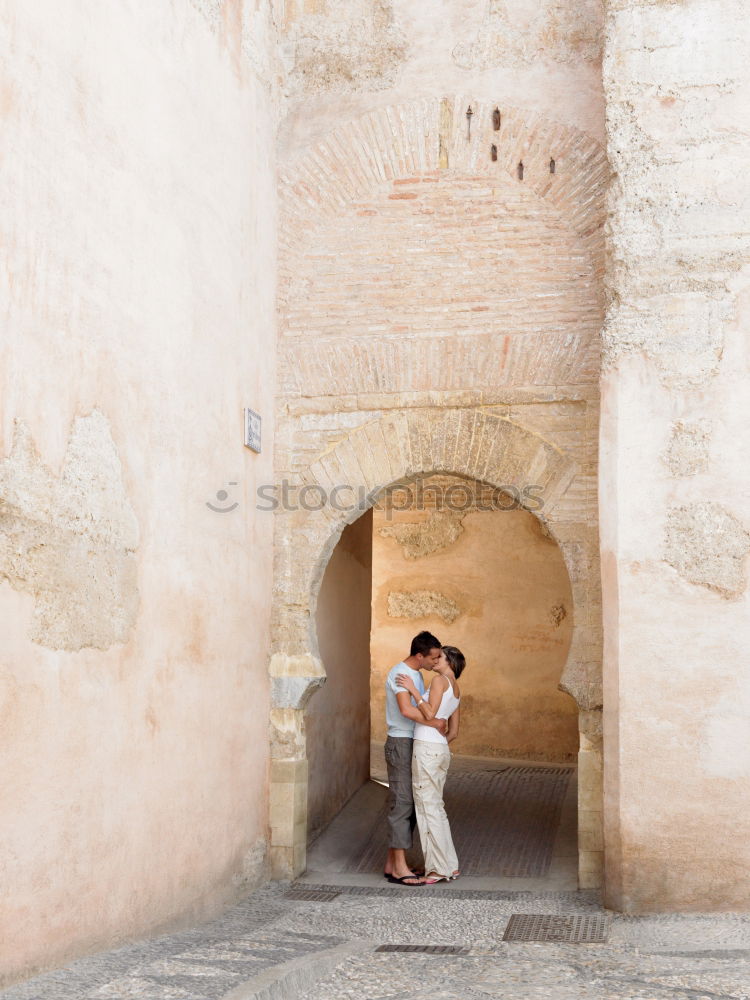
546, 927
312, 895
426, 949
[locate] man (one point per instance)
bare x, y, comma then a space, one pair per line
401, 713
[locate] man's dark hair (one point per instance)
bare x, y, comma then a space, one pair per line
456, 659
423, 643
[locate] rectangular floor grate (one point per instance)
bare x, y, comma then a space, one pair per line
312, 895
425, 949
577, 929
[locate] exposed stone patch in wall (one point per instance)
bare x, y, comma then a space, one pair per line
687, 453
353, 45
514, 32
682, 334
422, 604
70, 541
707, 545
422, 538
558, 614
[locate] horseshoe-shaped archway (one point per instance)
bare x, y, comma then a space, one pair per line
399, 446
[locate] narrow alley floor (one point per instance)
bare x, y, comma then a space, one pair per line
513, 825
322, 938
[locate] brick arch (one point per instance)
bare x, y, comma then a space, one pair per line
404, 445
398, 446
353, 212
429, 135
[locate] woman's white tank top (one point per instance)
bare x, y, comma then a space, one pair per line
448, 705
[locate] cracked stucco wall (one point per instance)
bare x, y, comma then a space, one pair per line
688, 451
675, 510
137, 293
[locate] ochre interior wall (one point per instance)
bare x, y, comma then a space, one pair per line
505, 581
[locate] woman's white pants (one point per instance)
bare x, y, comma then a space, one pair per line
429, 769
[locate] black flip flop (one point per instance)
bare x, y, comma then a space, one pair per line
405, 881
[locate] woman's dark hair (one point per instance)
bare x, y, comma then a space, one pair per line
423, 643
456, 659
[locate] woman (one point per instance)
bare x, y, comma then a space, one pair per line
431, 760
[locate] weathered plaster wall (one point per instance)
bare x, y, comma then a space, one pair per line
498, 590
675, 454
138, 286
337, 721
345, 57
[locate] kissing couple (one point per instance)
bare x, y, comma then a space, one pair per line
421, 725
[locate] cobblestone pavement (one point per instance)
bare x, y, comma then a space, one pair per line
270, 947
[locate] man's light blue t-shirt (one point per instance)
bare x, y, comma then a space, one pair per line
398, 724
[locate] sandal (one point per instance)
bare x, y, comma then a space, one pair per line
407, 880
432, 878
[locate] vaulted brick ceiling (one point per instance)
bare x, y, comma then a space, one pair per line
410, 265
